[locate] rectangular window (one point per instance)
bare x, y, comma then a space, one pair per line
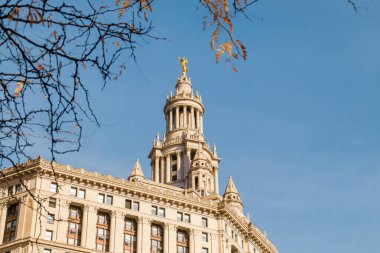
128, 204
186, 218
101, 198
47, 250
50, 218
49, 235
103, 232
161, 212
82, 193
18, 188
10, 230
179, 216
53, 187
174, 178
75, 226
52, 202
174, 167
204, 237
109, 200
154, 210
73, 191
136, 206
204, 222
10, 190
204, 250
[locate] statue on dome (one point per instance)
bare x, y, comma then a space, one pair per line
184, 62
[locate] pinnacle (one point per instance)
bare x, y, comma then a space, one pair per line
137, 171
231, 188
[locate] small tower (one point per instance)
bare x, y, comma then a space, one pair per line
137, 172
232, 196
183, 158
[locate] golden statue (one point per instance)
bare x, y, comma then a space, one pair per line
183, 61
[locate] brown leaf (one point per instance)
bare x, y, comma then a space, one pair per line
20, 86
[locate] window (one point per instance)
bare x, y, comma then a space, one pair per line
204, 250
82, 193
174, 167
174, 178
103, 232
130, 236
49, 235
161, 212
53, 187
101, 198
10, 190
10, 230
75, 226
52, 202
204, 222
136, 206
204, 237
128, 204
47, 250
18, 188
50, 218
156, 239
179, 216
186, 218
182, 242
154, 210
73, 191
109, 200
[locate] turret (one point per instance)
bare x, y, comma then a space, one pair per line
137, 172
232, 196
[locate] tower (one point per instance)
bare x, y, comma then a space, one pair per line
182, 157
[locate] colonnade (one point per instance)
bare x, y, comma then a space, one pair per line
162, 166
183, 116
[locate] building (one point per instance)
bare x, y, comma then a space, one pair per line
179, 210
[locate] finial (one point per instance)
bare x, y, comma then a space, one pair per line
171, 94
158, 136
214, 148
184, 62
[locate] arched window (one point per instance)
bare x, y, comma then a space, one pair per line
182, 242
130, 236
103, 232
75, 225
156, 239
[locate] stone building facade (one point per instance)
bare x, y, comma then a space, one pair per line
52, 208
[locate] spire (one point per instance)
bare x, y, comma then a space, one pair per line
136, 172
232, 196
231, 188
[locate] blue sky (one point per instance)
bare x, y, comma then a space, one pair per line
297, 127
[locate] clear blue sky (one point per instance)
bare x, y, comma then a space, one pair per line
298, 127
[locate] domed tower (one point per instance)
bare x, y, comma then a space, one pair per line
182, 157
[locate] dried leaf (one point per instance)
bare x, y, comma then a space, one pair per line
20, 86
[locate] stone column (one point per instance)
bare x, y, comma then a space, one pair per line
146, 234
139, 235
179, 166
119, 232
23, 208
171, 119
197, 242
162, 170
216, 180
172, 238
91, 227
3, 216
198, 125
177, 117
62, 224
201, 122
168, 179
156, 168
185, 116
191, 241
83, 238
228, 246
187, 168
192, 125
166, 238
112, 231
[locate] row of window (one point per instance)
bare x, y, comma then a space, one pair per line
14, 189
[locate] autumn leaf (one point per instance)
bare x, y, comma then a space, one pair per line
41, 67
117, 43
20, 86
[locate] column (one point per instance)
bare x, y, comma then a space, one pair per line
171, 119
197, 242
185, 116
173, 238
166, 238
187, 168
91, 227
146, 234
228, 247
177, 117
201, 122
197, 126
22, 217
156, 168
179, 166
139, 235
84, 225
62, 224
119, 235
192, 241
3, 213
168, 179
112, 231
162, 170
192, 125
216, 179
